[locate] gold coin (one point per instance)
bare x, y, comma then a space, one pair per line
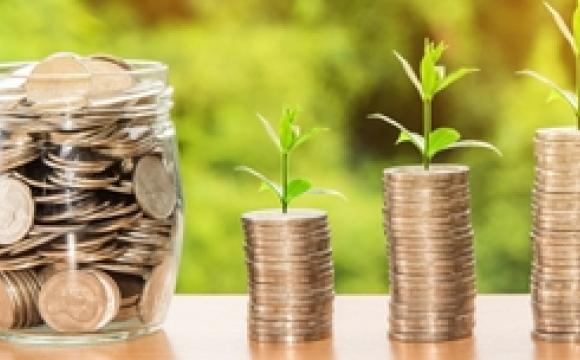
17, 212
154, 187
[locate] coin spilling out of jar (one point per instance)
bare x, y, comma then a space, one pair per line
89, 187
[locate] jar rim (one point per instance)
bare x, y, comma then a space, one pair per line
139, 67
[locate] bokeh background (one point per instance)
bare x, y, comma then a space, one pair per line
230, 59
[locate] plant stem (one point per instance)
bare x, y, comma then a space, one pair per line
284, 182
578, 91
427, 120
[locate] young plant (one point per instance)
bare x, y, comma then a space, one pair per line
573, 39
433, 80
287, 139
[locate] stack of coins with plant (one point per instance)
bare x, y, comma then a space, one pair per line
427, 223
555, 280
91, 209
288, 253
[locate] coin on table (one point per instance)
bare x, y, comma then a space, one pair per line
109, 76
158, 292
17, 211
154, 187
78, 301
60, 76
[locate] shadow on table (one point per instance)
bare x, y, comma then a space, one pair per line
464, 348
319, 350
544, 350
154, 346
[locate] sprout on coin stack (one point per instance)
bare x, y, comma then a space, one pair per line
91, 215
288, 253
427, 222
555, 232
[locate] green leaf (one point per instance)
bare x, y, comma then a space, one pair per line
576, 28
411, 137
403, 137
555, 95
296, 188
277, 189
475, 144
320, 191
286, 132
414, 138
440, 139
270, 130
568, 96
564, 29
410, 72
307, 136
441, 71
430, 75
455, 76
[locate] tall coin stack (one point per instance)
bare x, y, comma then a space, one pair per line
432, 276
290, 275
90, 196
555, 280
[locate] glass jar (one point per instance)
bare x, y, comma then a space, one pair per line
90, 199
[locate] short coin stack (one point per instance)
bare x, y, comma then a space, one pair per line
290, 275
432, 276
89, 193
555, 282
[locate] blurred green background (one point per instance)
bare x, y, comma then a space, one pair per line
232, 58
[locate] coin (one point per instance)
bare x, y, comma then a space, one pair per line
158, 292
58, 77
8, 308
77, 301
427, 223
290, 275
154, 187
17, 213
109, 76
556, 267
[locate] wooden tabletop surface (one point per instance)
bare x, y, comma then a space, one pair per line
214, 328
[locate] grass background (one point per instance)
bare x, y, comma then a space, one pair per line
232, 58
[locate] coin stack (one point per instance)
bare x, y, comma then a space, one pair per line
555, 279
432, 276
89, 193
290, 275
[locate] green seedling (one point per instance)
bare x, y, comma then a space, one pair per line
573, 39
433, 80
287, 139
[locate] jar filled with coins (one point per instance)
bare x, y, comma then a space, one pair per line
91, 209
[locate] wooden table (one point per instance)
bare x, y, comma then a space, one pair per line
214, 328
